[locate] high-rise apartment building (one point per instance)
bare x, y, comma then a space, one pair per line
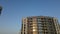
59, 28
40, 25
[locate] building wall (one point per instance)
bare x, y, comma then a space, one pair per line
56, 25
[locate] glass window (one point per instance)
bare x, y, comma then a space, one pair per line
34, 29
40, 33
40, 28
39, 24
38, 20
24, 32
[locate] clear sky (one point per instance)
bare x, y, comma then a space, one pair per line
14, 10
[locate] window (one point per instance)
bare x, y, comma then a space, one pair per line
24, 27
40, 28
34, 29
46, 32
39, 24
30, 23
38, 20
34, 24
50, 27
29, 18
24, 32
42, 18
40, 32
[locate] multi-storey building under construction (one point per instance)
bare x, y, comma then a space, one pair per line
40, 25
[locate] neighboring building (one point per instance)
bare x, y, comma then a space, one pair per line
40, 25
59, 28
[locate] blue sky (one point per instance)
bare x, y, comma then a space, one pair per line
14, 10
